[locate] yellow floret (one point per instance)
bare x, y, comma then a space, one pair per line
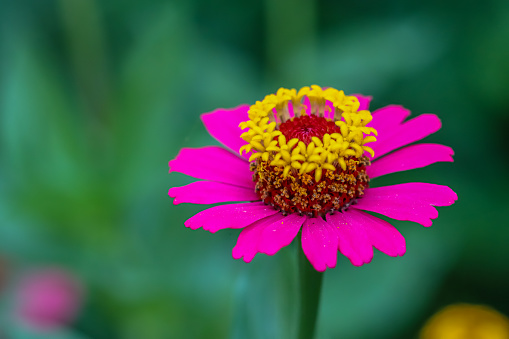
267, 142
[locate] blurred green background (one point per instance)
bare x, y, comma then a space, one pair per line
97, 96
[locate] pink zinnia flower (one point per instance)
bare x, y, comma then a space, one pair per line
48, 298
308, 169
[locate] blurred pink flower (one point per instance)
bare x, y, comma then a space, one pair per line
307, 169
48, 298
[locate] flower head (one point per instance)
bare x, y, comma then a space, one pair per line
305, 166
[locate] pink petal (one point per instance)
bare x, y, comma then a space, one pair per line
280, 234
411, 201
382, 235
363, 100
387, 119
249, 238
410, 157
319, 243
329, 108
404, 134
229, 216
213, 163
223, 125
353, 240
211, 192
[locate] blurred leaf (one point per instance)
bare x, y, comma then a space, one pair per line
368, 55
266, 298
17, 331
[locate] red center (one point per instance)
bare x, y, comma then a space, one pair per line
307, 126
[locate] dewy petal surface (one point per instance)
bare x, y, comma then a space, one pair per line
353, 241
406, 133
280, 234
249, 239
382, 235
230, 216
211, 192
319, 243
213, 163
410, 157
411, 201
223, 125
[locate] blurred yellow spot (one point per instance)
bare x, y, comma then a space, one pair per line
464, 321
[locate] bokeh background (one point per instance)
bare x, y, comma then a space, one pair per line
97, 96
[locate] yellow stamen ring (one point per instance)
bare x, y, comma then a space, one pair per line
327, 153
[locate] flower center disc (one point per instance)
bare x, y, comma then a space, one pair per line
307, 126
300, 193
308, 150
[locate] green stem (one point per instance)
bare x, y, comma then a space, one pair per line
310, 287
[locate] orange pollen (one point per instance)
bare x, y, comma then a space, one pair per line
299, 192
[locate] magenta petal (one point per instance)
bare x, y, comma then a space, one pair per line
363, 101
211, 192
382, 235
229, 216
223, 125
406, 133
249, 238
411, 201
280, 234
387, 118
410, 157
319, 243
353, 240
213, 163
